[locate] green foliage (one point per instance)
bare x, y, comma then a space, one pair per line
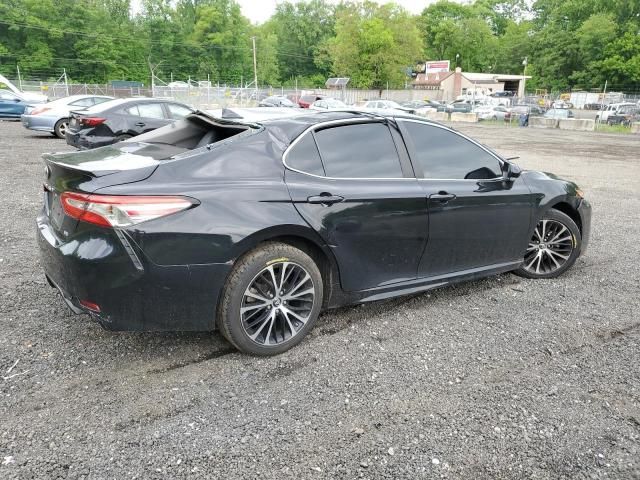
374, 44
569, 44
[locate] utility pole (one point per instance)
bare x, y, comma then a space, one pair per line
604, 94
524, 78
19, 78
153, 75
66, 83
255, 67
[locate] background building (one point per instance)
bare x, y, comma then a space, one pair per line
449, 85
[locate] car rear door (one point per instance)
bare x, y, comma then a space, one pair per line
476, 217
146, 116
352, 182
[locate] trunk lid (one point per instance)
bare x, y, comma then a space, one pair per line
90, 170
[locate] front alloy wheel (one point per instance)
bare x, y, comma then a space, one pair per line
553, 248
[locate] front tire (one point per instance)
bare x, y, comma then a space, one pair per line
554, 247
60, 128
271, 300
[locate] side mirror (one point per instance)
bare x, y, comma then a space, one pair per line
511, 170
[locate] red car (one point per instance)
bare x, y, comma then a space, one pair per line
306, 100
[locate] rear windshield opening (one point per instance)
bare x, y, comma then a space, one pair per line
194, 131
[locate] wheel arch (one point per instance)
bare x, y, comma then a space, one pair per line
306, 240
569, 210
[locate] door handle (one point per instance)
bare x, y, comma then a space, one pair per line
442, 197
325, 199
140, 124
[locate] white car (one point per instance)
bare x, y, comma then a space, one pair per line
328, 104
612, 109
388, 105
54, 116
492, 112
31, 97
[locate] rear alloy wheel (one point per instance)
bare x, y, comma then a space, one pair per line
553, 248
271, 300
61, 127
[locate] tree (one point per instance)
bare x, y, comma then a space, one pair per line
301, 29
374, 45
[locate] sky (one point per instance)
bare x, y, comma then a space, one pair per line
260, 10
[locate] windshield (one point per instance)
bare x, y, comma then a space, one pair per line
333, 103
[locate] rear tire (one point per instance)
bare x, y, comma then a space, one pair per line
61, 127
122, 137
554, 247
271, 299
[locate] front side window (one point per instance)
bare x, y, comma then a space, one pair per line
364, 150
444, 154
6, 95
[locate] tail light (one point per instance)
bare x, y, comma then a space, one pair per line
39, 110
121, 210
92, 121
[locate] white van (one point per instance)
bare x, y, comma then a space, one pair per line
612, 109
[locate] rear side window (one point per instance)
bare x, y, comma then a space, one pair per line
363, 150
151, 110
304, 156
83, 102
446, 155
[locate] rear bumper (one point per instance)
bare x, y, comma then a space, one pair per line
103, 267
38, 122
87, 142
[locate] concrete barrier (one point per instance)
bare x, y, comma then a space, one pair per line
635, 127
581, 124
436, 116
464, 117
542, 122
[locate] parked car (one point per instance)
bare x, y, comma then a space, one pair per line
531, 110
53, 117
29, 97
457, 106
492, 112
254, 228
561, 104
625, 116
506, 93
388, 105
559, 113
12, 104
328, 104
305, 101
612, 109
120, 119
423, 105
277, 101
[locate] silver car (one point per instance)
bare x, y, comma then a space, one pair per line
53, 117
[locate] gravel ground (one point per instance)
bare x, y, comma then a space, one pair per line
498, 378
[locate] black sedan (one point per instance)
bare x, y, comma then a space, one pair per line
120, 119
255, 228
277, 101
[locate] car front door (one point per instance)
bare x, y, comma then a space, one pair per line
353, 184
476, 217
11, 105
